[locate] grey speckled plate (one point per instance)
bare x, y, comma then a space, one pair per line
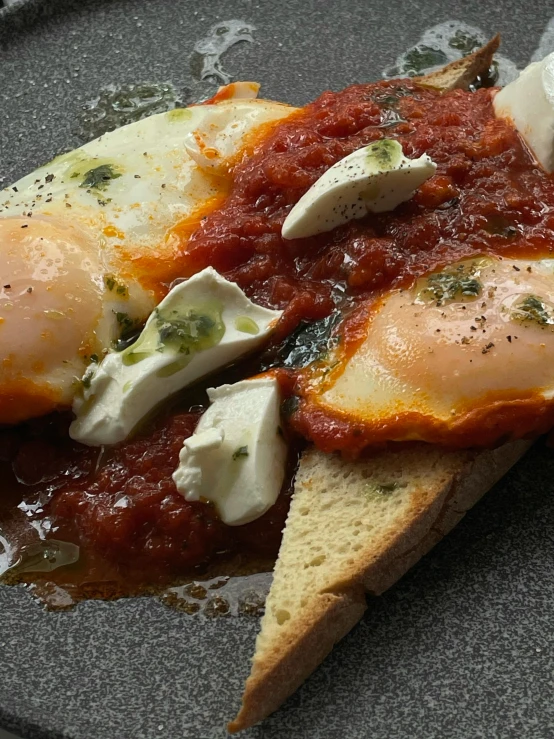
463, 646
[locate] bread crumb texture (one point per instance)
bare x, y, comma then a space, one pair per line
354, 526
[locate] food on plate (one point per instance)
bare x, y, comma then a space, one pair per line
87, 247
355, 527
242, 298
236, 457
202, 325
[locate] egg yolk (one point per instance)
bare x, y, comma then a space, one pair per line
50, 307
456, 345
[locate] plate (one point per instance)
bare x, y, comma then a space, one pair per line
463, 646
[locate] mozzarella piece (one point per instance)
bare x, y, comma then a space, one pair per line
236, 458
89, 241
202, 325
374, 179
528, 102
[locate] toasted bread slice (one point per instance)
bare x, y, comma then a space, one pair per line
460, 74
355, 526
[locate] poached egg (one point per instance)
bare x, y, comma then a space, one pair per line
86, 244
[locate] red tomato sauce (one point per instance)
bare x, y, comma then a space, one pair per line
486, 197
121, 507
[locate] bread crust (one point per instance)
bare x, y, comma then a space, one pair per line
474, 477
288, 664
459, 75
448, 484
457, 481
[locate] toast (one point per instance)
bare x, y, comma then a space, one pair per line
460, 74
359, 526
368, 523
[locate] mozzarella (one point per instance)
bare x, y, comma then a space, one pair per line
236, 458
202, 325
89, 242
373, 179
528, 102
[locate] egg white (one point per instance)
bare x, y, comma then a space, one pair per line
86, 245
426, 363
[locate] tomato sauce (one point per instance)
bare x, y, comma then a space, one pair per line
120, 506
487, 196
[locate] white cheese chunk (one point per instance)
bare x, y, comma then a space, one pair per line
236, 458
528, 102
374, 179
202, 325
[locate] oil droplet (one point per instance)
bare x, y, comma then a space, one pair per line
221, 596
119, 105
205, 61
43, 556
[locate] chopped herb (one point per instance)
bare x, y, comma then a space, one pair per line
124, 320
451, 285
242, 451
290, 406
422, 58
112, 283
309, 342
186, 333
464, 42
532, 308
99, 177
181, 332
382, 489
87, 379
385, 153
